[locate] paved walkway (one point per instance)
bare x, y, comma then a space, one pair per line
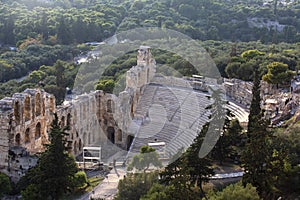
107, 189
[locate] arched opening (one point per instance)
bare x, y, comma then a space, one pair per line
75, 147
17, 113
37, 131
111, 134
18, 139
129, 141
79, 145
110, 106
27, 108
119, 135
27, 136
69, 120
43, 108
105, 121
62, 121
131, 110
52, 104
38, 108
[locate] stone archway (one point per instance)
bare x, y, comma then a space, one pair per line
62, 121
75, 148
37, 134
18, 139
38, 107
111, 134
79, 145
110, 106
27, 108
69, 120
129, 141
17, 113
27, 136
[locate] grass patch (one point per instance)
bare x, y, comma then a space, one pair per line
92, 182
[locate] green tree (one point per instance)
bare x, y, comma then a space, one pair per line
250, 54
31, 192
56, 168
189, 170
106, 85
80, 179
64, 34
134, 186
230, 137
5, 184
278, 73
169, 192
144, 159
60, 81
256, 157
236, 191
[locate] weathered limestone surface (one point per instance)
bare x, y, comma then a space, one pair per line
24, 120
94, 119
279, 103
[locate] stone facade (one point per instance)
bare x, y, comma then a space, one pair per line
239, 91
278, 103
25, 122
94, 119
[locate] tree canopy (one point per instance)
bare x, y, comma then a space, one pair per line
278, 73
142, 161
55, 172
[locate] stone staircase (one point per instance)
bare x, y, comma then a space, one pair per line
169, 114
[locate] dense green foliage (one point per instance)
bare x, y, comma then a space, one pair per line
267, 162
85, 20
168, 63
134, 186
5, 184
147, 157
56, 172
46, 35
189, 170
278, 73
43, 30
230, 142
236, 191
16, 64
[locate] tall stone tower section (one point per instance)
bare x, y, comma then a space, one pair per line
140, 75
144, 71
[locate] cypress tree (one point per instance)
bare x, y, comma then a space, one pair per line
54, 174
258, 152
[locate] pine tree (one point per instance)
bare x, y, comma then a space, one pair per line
54, 174
229, 138
189, 170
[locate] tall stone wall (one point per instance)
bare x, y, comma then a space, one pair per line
239, 91
94, 119
140, 75
25, 121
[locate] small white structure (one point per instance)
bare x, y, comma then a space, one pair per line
160, 148
91, 154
